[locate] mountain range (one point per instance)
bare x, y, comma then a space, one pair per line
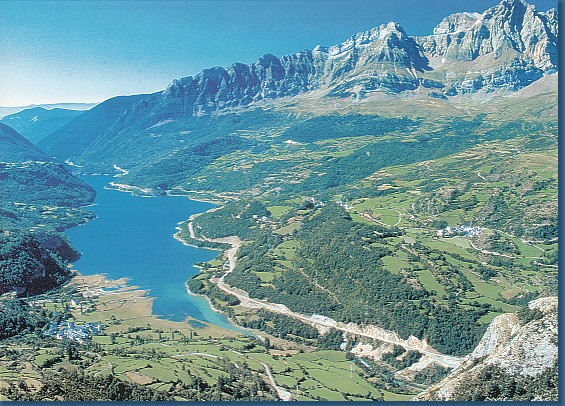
504, 49
5, 111
401, 189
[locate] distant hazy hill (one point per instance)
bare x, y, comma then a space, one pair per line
74, 137
37, 123
29, 176
4, 111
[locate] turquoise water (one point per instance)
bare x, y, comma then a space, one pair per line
132, 237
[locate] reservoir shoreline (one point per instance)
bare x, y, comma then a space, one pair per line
164, 279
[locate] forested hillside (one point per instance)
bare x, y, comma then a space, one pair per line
386, 206
355, 228
39, 198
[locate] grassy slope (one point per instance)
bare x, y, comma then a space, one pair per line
405, 195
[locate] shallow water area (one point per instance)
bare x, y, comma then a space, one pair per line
132, 237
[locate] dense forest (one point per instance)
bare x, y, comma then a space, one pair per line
39, 199
350, 125
17, 316
27, 267
343, 257
189, 162
43, 183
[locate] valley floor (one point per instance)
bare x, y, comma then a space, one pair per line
139, 348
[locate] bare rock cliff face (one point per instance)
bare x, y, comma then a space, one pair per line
511, 25
508, 46
511, 354
240, 84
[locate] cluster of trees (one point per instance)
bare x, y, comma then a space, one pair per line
453, 329
547, 232
486, 272
431, 374
236, 218
498, 243
194, 285
504, 212
332, 340
27, 267
14, 216
493, 384
43, 183
526, 315
408, 358
341, 256
339, 126
448, 275
16, 317
281, 326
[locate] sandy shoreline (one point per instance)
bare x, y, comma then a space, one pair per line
178, 237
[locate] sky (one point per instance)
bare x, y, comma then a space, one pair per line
89, 51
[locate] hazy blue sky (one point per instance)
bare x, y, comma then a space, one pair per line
85, 51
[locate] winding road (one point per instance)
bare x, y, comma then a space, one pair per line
323, 324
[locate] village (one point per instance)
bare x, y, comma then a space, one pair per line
70, 331
461, 230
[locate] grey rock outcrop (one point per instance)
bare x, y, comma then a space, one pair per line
239, 85
508, 46
513, 25
518, 349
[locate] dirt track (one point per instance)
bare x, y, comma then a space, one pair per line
320, 322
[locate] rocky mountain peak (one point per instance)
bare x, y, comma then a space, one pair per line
521, 42
391, 31
513, 5
511, 27
456, 22
384, 58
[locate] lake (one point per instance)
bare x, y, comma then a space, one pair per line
132, 237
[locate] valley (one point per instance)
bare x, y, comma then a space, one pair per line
384, 226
